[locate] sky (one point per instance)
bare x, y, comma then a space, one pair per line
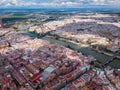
58, 3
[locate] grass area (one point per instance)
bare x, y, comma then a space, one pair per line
80, 29
13, 17
100, 57
115, 63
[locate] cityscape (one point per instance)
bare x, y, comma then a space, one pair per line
58, 48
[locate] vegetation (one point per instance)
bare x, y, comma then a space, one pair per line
80, 29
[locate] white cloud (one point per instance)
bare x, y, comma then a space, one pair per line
58, 3
8, 5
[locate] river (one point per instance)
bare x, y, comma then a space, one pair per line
99, 56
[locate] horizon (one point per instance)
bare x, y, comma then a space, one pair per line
64, 8
60, 4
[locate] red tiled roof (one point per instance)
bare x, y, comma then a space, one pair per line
35, 77
18, 77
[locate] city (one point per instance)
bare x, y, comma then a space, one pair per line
59, 49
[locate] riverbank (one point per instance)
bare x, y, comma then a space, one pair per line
89, 47
86, 51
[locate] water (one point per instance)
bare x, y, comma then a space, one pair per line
100, 57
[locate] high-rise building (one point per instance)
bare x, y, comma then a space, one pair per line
1, 23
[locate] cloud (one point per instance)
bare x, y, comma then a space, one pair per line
57, 3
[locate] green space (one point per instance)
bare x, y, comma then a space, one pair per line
80, 29
13, 17
100, 57
115, 63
